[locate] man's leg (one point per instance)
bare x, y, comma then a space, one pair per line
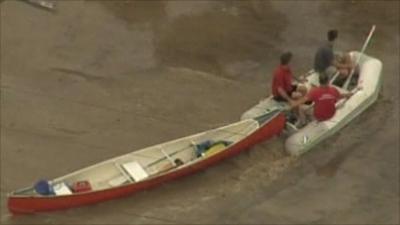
297, 94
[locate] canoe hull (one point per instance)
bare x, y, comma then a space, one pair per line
25, 205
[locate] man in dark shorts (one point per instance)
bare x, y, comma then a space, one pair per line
283, 88
324, 98
324, 58
325, 61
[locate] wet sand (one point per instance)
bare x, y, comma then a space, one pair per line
96, 79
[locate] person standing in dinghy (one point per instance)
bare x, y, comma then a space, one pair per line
283, 88
324, 98
325, 62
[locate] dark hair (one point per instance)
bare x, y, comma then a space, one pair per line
285, 58
332, 35
323, 79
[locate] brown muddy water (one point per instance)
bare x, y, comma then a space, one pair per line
96, 79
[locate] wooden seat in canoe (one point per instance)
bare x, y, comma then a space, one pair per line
135, 171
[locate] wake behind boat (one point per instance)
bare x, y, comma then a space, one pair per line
146, 168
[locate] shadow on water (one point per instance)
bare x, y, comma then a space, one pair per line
206, 36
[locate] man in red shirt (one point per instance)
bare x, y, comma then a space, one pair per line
324, 98
282, 87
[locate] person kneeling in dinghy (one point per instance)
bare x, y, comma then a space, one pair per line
283, 88
324, 98
347, 65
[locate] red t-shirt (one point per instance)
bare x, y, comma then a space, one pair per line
324, 99
282, 78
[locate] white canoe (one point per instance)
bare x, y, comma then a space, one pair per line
366, 92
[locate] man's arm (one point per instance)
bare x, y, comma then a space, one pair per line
340, 65
301, 101
346, 95
349, 94
284, 94
300, 79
